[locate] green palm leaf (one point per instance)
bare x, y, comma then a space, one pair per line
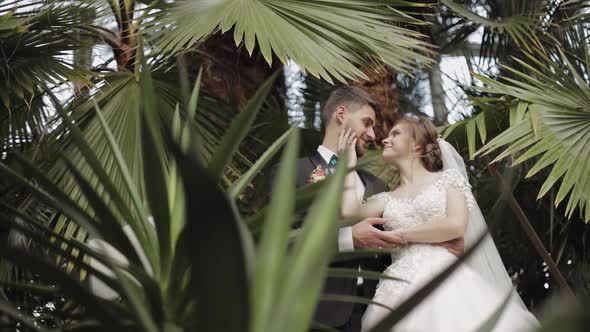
517, 20
239, 185
307, 267
328, 39
239, 129
72, 287
272, 249
203, 250
35, 45
553, 123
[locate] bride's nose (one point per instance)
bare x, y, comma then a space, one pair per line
384, 141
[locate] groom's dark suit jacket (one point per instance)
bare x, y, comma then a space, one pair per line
333, 313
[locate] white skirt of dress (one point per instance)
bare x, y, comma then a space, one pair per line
463, 302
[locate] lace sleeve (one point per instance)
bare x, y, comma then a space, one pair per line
454, 179
380, 197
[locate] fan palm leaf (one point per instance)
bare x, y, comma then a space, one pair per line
328, 39
508, 23
34, 47
555, 127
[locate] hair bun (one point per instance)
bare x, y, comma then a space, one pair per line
432, 147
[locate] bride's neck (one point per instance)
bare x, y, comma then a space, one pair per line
411, 171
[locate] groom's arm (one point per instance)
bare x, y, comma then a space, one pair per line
367, 234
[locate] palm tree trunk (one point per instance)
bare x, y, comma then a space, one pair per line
229, 71
124, 46
381, 86
437, 93
83, 55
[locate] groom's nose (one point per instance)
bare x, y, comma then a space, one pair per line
371, 133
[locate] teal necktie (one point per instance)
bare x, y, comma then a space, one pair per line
332, 163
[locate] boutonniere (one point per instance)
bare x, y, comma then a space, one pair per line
318, 174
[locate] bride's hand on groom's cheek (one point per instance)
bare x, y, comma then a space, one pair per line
347, 142
366, 235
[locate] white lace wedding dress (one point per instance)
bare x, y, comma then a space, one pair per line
465, 300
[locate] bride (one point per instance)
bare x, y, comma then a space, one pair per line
433, 204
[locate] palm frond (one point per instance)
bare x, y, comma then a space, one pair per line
552, 122
515, 22
328, 39
35, 50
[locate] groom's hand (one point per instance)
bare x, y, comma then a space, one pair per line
455, 247
364, 235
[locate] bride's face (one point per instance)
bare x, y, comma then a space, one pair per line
398, 144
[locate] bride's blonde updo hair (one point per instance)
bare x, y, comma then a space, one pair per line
425, 135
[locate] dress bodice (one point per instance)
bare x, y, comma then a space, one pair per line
429, 203
420, 259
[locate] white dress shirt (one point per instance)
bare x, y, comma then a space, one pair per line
345, 242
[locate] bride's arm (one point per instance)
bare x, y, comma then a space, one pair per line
352, 208
442, 228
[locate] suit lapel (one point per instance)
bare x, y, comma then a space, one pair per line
369, 185
317, 159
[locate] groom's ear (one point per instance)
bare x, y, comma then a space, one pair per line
339, 114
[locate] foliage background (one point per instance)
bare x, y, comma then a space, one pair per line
63, 60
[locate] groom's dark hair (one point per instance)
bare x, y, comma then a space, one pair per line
347, 96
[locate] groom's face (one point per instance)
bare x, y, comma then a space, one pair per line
362, 120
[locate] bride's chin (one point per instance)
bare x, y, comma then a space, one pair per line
387, 158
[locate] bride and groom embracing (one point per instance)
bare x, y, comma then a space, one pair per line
425, 221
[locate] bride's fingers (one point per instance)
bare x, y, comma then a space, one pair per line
351, 147
340, 139
343, 139
350, 136
346, 139
344, 135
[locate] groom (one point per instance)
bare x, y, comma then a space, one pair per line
348, 107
